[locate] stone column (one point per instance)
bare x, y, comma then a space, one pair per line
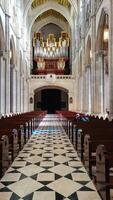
23, 89
83, 52
93, 49
18, 75
18, 91
80, 93
77, 82
99, 83
111, 60
87, 89
14, 90
2, 85
25, 95
22, 93
7, 63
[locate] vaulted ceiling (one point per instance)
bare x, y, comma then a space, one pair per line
64, 3
52, 13
42, 12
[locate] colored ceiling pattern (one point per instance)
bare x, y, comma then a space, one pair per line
64, 3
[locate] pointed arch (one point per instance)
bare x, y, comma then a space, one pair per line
12, 52
100, 29
88, 51
2, 40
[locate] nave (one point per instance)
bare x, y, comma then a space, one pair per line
47, 168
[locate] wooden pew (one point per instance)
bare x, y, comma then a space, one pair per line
13, 141
104, 162
90, 145
15, 131
4, 154
20, 131
67, 116
88, 128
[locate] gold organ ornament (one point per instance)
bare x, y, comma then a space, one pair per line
51, 48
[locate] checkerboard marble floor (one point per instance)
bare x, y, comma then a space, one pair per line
48, 168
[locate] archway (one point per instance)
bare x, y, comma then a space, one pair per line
51, 99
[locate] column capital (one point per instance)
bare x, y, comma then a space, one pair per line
88, 66
100, 53
3, 54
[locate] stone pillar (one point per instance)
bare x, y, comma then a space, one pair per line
7, 63
77, 83
87, 89
99, 83
64, 99
13, 98
93, 49
84, 91
18, 75
18, 91
2, 85
21, 93
25, 95
23, 90
111, 60
83, 52
81, 100
14, 90
80, 92
72, 56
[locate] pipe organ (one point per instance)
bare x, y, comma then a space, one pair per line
51, 55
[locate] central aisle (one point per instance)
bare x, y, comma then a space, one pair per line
48, 168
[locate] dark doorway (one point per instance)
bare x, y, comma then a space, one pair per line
51, 100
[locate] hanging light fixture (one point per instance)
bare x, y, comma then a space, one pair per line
106, 30
10, 54
90, 54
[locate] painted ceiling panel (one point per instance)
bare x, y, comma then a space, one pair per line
64, 3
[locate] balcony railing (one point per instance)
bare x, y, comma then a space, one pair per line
43, 77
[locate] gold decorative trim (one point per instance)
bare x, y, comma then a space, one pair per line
64, 3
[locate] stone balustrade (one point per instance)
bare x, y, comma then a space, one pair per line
57, 77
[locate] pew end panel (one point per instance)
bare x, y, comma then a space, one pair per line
4, 154
104, 161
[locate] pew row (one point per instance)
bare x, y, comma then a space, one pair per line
14, 134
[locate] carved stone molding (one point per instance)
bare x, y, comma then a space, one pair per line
88, 66
3, 54
100, 53
51, 78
